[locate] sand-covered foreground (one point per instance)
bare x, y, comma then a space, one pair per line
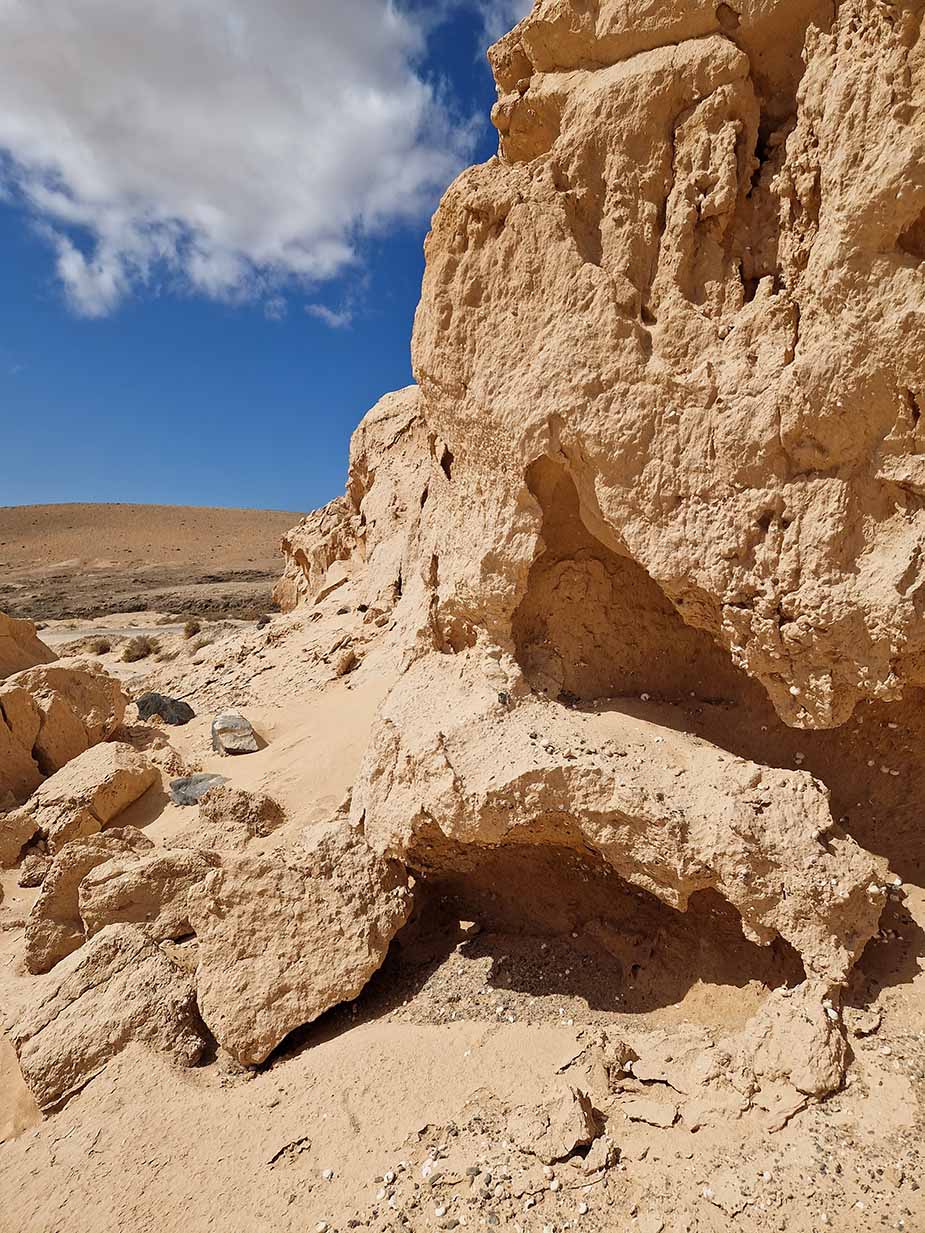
59, 561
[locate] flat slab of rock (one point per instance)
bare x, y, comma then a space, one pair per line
233, 734
172, 711
55, 929
555, 1130
149, 891
284, 937
118, 989
88, 794
190, 789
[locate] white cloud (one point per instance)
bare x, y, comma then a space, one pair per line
336, 320
222, 145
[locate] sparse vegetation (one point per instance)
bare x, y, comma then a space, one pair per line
140, 648
191, 628
100, 646
198, 643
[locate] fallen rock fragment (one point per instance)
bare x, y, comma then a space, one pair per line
284, 937
190, 789
54, 928
172, 711
118, 989
20, 646
233, 734
149, 891
88, 794
229, 818
556, 1130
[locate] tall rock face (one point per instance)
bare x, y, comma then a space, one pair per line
692, 280
20, 647
663, 471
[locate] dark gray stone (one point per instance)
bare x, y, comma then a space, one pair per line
191, 789
171, 710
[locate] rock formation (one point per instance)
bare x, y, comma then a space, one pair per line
49, 715
87, 795
20, 646
663, 450
55, 929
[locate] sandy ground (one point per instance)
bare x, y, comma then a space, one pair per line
81, 560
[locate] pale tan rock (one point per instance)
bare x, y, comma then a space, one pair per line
650, 284
229, 819
149, 891
49, 715
669, 812
79, 800
118, 989
54, 928
370, 531
283, 937
79, 706
20, 646
554, 1131
34, 869
660, 1113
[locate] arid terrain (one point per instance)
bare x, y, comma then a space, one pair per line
553, 858
60, 561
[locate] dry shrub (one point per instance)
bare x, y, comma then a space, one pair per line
198, 644
100, 646
191, 629
139, 648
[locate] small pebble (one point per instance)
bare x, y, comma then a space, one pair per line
582, 1209
328, 1174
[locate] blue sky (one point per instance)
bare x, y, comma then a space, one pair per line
211, 234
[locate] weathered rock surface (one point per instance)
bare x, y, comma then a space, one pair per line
49, 715
370, 531
284, 937
556, 1130
55, 929
118, 989
669, 812
87, 795
149, 891
229, 818
669, 284
20, 646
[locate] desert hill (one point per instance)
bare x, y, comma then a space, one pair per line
82, 559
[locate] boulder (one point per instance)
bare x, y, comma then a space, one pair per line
190, 789
118, 990
20, 646
172, 711
51, 714
78, 706
233, 734
87, 795
149, 891
54, 928
286, 936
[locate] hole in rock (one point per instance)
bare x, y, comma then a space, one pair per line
557, 935
446, 462
912, 240
593, 624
